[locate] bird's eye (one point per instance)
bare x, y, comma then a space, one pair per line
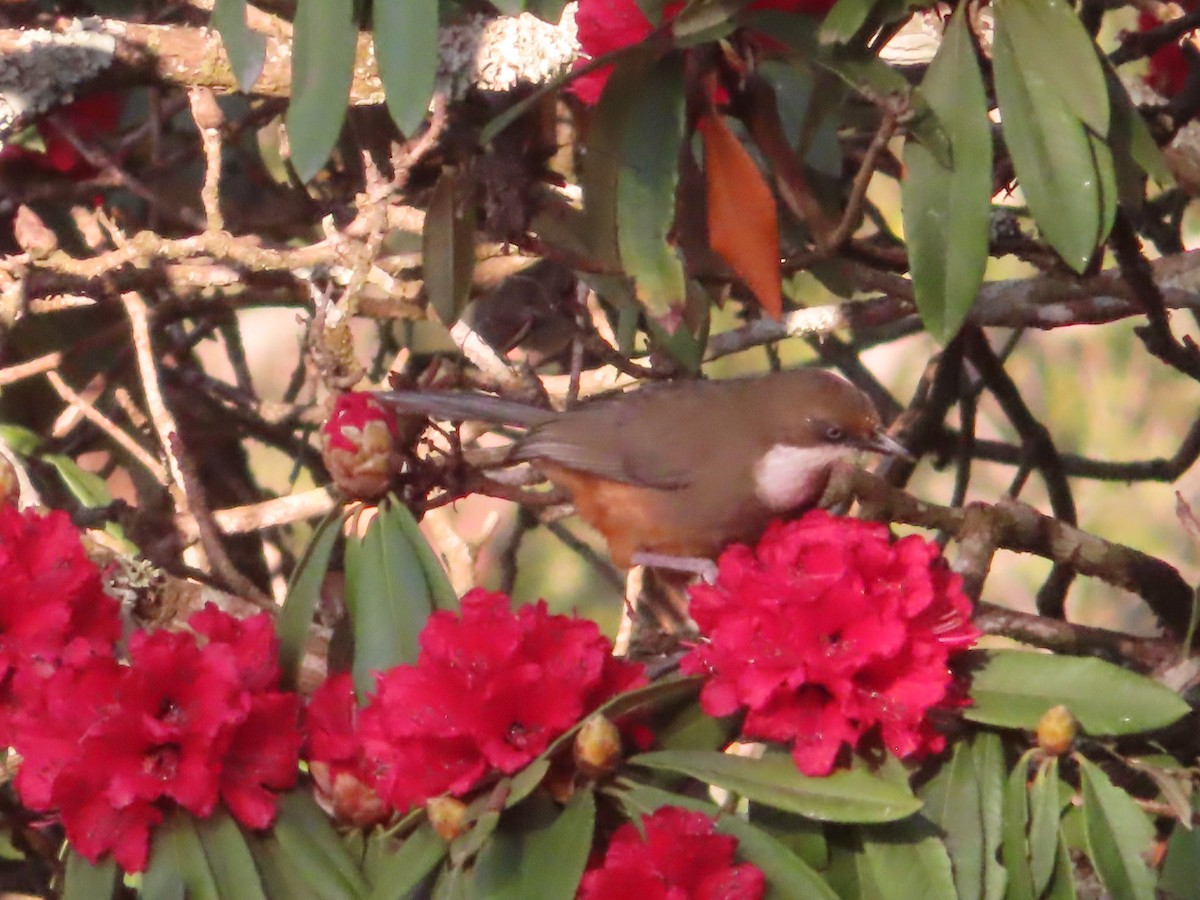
834, 433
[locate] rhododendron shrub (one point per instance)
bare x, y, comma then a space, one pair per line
828, 631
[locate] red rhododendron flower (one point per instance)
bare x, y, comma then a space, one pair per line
335, 757
490, 691
828, 630
1168, 67
52, 604
358, 443
680, 858
604, 26
187, 721
88, 117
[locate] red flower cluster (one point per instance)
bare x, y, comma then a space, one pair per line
828, 630
604, 26
88, 117
491, 689
680, 858
52, 605
190, 719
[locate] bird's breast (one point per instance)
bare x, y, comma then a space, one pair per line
788, 477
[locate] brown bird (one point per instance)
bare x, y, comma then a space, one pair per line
669, 474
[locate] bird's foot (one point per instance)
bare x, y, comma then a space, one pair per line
692, 565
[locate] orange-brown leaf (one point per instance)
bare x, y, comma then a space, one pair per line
742, 224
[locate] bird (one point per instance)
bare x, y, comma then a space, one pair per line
671, 473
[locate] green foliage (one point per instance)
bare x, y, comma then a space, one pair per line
322, 67
407, 47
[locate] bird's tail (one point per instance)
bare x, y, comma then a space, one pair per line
462, 406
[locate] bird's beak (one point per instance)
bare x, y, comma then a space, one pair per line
882, 442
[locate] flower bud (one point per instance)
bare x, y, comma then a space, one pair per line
346, 797
10, 485
597, 746
1056, 730
447, 815
358, 444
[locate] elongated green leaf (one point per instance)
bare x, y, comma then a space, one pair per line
1050, 152
246, 49
774, 780
229, 859
1062, 885
441, 591
177, 860
1181, 868
279, 877
1049, 39
947, 210
304, 590
1118, 832
85, 881
845, 20
788, 876
1130, 137
1106, 175
326, 35
1012, 689
908, 859
542, 863
646, 184
406, 43
448, 243
310, 848
1043, 824
387, 597
394, 874
964, 799
86, 487
1015, 844
804, 837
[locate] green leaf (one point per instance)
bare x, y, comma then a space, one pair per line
804, 837
310, 849
646, 184
1013, 688
86, 487
1048, 40
246, 49
440, 589
406, 43
326, 35
947, 209
178, 865
907, 859
788, 876
1015, 845
1118, 832
393, 875
448, 243
1062, 885
845, 20
304, 590
1050, 152
964, 799
543, 863
387, 597
1180, 876
845, 796
87, 881
525, 781
229, 858
279, 876
1106, 175
1130, 137
1043, 824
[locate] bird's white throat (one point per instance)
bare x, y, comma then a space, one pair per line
787, 476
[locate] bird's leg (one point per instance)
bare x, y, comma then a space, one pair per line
692, 565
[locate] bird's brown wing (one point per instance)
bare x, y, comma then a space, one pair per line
647, 439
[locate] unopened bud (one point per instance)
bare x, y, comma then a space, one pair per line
1056, 731
345, 796
32, 234
358, 445
447, 815
10, 485
598, 746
